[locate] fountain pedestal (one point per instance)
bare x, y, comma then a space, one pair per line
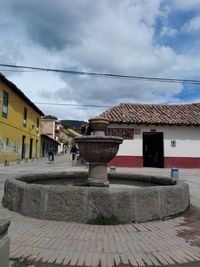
98, 175
98, 149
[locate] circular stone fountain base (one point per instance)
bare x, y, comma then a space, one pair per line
65, 196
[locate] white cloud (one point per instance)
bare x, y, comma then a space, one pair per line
167, 31
101, 36
192, 25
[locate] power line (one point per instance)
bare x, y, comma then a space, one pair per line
74, 105
106, 75
18, 70
67, 104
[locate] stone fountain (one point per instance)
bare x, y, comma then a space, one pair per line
80, 196
98, 149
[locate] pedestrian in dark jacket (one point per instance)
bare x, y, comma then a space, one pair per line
74, 151
51, 154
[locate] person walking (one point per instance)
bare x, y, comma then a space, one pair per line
51, 154
74, 151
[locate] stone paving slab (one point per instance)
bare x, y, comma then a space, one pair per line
156, 243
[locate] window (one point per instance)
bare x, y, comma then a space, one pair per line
5, 105
7, 142
25, 117
1, 144
37, 130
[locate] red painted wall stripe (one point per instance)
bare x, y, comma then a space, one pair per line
181, 162
169, 162
127, 161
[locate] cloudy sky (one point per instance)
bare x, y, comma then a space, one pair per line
155, 38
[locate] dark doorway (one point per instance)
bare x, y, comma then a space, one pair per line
36, 149
23, 146
43, 149
47, 147
153, 151
31, 148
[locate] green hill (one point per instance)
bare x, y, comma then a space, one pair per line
73, 124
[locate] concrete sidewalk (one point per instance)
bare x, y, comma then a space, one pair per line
171, 241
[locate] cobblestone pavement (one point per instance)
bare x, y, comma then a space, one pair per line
168, 242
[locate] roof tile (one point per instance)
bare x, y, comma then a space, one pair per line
187, 114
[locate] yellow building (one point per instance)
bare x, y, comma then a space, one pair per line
19, 124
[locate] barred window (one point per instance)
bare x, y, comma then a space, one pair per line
5, 105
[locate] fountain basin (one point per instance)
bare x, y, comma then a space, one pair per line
79, 203
99, 149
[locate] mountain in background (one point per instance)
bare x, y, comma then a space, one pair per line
73, 124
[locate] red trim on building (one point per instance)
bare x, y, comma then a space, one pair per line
169, 162
127, 161
181, 162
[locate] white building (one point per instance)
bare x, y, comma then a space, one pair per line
156, 135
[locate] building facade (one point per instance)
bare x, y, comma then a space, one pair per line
46, 143
68, 135
48, 125
51, 127
156, 135
19, 124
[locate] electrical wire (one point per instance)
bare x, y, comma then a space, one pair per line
67, 104
18, 70
74, 105
106, 75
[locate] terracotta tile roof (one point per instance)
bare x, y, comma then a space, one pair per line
188, 114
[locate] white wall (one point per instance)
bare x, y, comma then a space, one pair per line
60, 148
131, 147
187, 141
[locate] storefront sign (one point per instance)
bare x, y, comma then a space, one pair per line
125, 133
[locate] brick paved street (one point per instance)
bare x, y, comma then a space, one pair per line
175, 240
